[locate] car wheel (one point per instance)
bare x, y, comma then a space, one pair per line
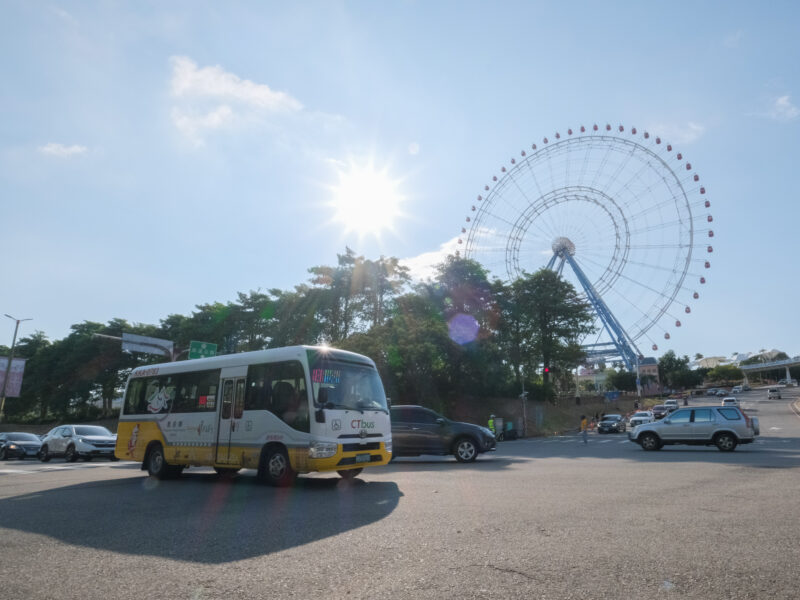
113, 458
650, 441
226, 471
44, 453
3, 454
349, 474
70, 455
726, 442
465, 450
275, 468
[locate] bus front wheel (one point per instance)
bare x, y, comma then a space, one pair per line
274, 467
349, 474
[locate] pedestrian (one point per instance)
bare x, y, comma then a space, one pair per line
585, 429
491, 424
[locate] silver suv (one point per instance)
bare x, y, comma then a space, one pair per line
723, 426
78, 441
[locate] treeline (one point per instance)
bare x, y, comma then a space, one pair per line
458, 334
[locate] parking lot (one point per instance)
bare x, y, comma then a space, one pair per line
539, 518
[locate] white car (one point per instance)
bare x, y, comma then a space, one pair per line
641, 417
773, 393
737, 389
730, 401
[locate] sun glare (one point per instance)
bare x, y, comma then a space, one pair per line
366, 200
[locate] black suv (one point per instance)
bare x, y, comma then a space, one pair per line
418, 430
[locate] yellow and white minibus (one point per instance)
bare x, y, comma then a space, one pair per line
282, 411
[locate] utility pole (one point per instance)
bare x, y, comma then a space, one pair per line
8, 365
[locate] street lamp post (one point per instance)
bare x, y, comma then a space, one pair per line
8, 365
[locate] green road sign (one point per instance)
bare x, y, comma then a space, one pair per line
202, 349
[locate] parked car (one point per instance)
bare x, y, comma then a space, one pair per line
418, 430
773, 394
611, 424
730, 401
722, 426
671, 404
78, 441
722, 392
660, 411
642, 417
17, 444
737, 389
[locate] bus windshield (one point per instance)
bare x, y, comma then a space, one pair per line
345, 385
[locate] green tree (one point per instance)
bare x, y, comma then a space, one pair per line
725, 373
551, 319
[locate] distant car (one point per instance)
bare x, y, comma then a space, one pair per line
78, 441
418, 430
659, 411
746, 388
730, 401
787, 382
641, 417
722, 426
611, 424
737, 389
773, 393
711, 392
671, 404
17, 444
721, 393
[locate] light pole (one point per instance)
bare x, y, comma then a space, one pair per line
8, 365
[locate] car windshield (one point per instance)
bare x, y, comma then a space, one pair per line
92, 430
659, 407
340, 384
23, 437
641, 414
612, 418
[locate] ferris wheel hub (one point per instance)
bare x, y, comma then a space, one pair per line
563, 244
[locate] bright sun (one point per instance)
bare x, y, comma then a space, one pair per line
366, 200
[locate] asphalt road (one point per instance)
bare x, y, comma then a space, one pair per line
537, 519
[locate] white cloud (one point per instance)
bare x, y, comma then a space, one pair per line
679, 134
193, 125
423, 266
60, 150
189, 81
783, 109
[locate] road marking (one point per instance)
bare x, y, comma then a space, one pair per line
15, 471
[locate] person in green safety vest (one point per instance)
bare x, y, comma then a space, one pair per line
491, 424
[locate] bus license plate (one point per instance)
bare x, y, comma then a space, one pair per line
362, 458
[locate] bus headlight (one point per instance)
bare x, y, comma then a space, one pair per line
388, 445
322, 449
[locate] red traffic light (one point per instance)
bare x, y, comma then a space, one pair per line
547, 369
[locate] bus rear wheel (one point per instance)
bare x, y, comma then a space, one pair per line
274, 467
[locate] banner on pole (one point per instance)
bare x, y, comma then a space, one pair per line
15, 380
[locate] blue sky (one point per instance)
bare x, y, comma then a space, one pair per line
156, 155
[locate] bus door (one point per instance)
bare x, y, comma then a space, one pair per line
230, 419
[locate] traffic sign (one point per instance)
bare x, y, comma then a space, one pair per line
202, 349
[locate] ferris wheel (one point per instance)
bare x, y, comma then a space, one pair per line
618, 212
